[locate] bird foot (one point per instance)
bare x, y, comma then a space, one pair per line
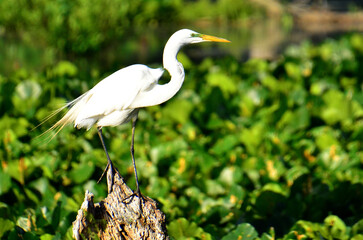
129, 199
141, 199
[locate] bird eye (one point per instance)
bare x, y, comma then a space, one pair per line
195, 35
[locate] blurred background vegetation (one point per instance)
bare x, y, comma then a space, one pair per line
267, 142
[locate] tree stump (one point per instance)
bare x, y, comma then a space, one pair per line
122, 215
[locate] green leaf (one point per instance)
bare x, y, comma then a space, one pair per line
295, 120
293, 70
183, 58
225, 144
182, 229
5, 225
334, 228
271, 82
214, 188
179, 111
26, 97
357, 237
252, 136
318, 88
294, 173
356, 41
215, 122
167, 149
236, 196
358, 228
230, 175
325, 138
56, 215
337, 107
47, 237
222, 81
28, 90
18, 125
270, 235
304, 229
243, 231
82, 172
65, 68
5, 182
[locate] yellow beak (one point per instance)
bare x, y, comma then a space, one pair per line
213, 39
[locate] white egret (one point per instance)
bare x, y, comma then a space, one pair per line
117, 99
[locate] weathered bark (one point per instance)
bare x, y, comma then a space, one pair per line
121, 215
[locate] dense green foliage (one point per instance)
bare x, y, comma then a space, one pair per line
79, 26
256, 149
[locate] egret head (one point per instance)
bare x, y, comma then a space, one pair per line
186, 36
181, 38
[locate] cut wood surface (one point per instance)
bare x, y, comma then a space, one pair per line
122, 215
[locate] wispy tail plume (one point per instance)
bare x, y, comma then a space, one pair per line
69, 117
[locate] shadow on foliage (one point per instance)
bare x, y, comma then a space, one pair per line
308, 200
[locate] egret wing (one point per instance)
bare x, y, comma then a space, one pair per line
117, 91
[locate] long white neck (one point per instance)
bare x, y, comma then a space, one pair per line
175, 69
162, 93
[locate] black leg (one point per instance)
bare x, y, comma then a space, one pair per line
99, 129
109, 162
133, 157
138, 192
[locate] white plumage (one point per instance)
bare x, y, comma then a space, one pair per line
117, 99
108, 103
